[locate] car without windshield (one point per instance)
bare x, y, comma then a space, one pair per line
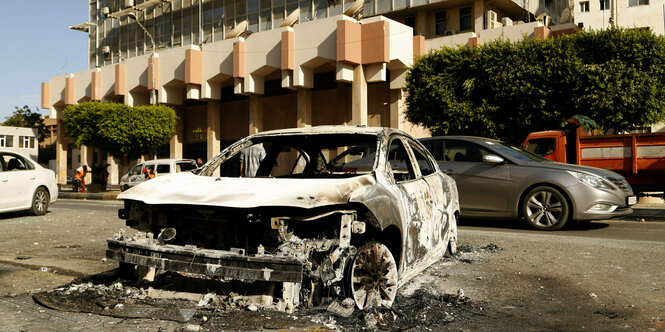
499, 180
348, 211
25, 184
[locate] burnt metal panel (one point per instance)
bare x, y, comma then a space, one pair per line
215, 263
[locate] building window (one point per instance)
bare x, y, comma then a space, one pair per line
465, 19
633, 3
584, 6
26, 142
6, 141
411, 21
441, 23
604, 4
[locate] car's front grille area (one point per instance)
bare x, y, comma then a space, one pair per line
621, 183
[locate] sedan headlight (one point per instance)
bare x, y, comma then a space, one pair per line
592, 181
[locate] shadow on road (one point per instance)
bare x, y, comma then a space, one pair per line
18, 214
520, 224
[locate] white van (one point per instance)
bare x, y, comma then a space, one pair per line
159, 166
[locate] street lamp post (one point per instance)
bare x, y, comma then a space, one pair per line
153, 99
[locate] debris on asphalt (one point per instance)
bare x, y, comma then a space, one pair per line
234, 305
343, 309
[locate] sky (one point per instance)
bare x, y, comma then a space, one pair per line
37, 44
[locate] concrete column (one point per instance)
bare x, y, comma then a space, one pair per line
114, 170
342, 110
255, 114
478, 15
214, 130
421, 23
397, 108
176, 141
359, 97
304, 108
86, 159
61, 153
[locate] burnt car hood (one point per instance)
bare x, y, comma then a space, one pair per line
191, 189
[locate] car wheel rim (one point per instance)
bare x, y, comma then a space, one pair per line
374, 277
544, 209
40, 201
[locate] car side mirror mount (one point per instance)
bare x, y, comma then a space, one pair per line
493, 159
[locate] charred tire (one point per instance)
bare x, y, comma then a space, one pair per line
451, 250
545, 208
124, 187
371, 277
127, 271
40, 200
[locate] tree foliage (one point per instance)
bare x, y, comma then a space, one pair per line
121, 130
506, 90
25, 117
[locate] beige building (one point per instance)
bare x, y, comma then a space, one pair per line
233, 68
601, 14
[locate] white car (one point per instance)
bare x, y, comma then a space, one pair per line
159, 166
25, 185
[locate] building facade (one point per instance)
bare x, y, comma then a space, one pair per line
19, 139
235, 67
602, 14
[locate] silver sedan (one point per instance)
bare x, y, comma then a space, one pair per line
499, 180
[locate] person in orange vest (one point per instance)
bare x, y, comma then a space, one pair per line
151, 174
80, 174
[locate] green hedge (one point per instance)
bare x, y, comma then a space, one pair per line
121, 130
506, 90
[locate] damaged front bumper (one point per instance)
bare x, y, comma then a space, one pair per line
216, 263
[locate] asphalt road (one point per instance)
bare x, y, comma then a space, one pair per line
603, 275
77, 204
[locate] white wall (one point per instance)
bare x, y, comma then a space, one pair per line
15, 134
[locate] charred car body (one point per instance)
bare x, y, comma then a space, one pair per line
353, 211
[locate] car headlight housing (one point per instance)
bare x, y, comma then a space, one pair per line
592, 181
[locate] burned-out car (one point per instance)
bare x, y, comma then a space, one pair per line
314, 217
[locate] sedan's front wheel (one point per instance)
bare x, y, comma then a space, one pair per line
545, 208
40, 200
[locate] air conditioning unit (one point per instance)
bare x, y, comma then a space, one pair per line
506, 21
105, 11
106, 49
491, 20
129, 3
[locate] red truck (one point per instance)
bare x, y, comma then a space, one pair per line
640, 158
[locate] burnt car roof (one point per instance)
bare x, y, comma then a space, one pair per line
330, 130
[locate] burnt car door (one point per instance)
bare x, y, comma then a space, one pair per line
417, 199
484, 187
439, 192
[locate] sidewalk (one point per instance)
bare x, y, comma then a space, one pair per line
105, 196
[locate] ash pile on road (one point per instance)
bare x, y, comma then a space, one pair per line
212, 304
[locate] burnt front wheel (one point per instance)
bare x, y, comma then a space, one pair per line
545, 208
372, 276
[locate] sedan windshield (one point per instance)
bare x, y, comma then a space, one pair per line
298, 156
516, 152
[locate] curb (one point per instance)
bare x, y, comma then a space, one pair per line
110, 196
648, 212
